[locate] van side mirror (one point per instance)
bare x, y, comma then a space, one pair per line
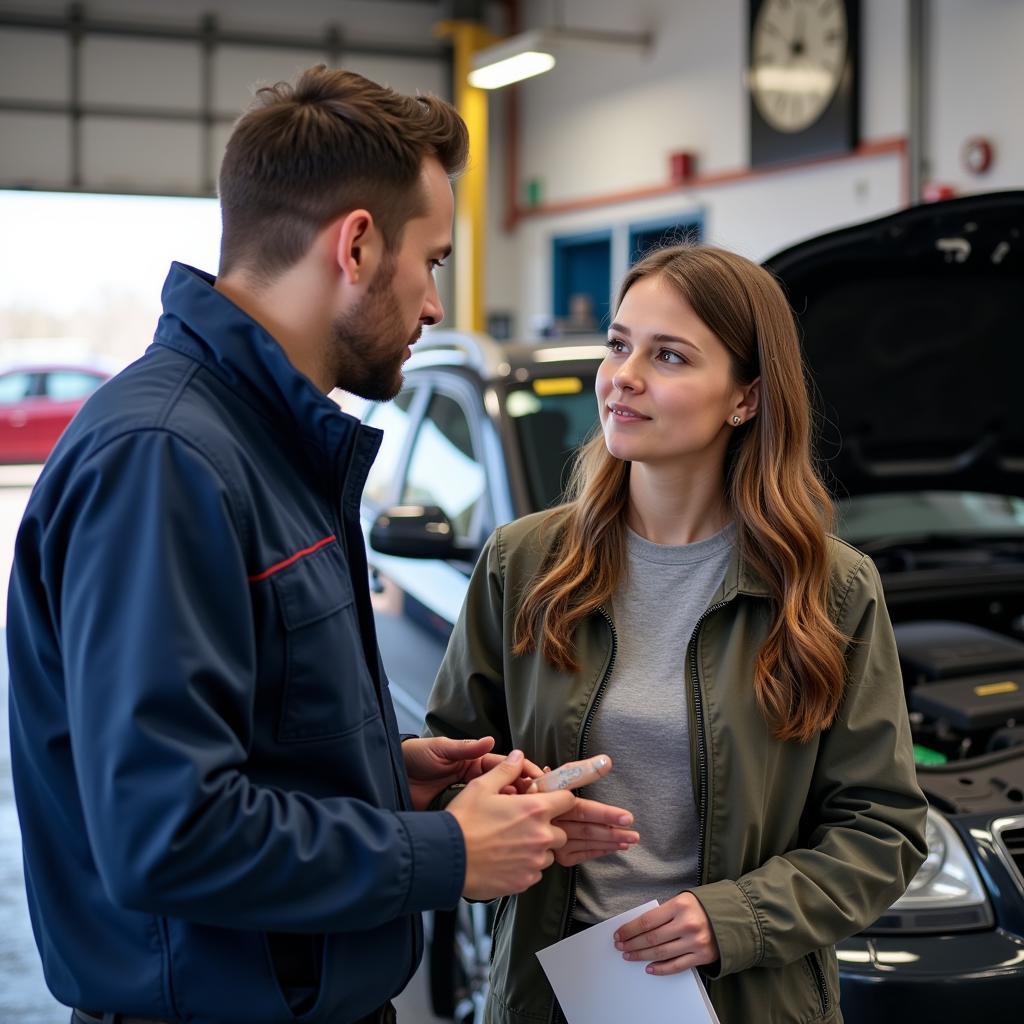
417, 531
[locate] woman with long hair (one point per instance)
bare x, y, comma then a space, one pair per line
689, 613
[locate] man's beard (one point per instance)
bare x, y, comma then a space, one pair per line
366, 355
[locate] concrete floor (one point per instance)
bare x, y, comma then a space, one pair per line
24, 998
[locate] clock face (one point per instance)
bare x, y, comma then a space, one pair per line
798, 53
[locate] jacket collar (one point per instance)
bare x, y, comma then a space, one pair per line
205, 325
741, 578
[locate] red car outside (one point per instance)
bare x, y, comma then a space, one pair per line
37, 403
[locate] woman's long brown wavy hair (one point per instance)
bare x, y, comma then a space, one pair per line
782, 510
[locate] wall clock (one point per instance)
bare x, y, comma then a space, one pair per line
802, 78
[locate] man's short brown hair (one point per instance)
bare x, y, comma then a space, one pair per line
307, 152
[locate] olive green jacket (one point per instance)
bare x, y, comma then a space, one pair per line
800, 844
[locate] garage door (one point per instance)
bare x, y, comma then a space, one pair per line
141, 97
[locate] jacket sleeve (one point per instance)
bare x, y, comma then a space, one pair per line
159, 653
468, 698
865, 813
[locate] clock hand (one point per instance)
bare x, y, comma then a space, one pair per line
797, 47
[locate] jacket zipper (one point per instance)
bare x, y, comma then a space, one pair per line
580, 748
338, 513
819, 977
702, 754
585, 731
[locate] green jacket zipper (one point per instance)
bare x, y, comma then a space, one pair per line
702, 753
819, 978
580, 748
702, 757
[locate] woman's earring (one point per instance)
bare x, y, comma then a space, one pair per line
736, 421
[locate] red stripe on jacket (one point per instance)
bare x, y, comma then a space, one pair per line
278, 566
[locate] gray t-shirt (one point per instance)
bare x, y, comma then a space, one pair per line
641, 723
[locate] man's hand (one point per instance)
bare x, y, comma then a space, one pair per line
676, 935
509, 837
435, 764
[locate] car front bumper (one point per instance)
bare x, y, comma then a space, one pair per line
938, 979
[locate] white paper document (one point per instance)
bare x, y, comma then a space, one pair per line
594, 985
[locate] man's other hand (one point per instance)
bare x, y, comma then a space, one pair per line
436, 763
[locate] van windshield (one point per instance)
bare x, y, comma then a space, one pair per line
552, 417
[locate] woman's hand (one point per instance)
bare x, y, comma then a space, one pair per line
594, 830
675, 936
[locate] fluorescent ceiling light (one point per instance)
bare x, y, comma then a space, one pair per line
512, 60
567, 352
511, 69
532, 53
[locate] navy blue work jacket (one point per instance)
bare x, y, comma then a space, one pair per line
206, 761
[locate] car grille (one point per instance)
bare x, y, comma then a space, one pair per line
1009, 833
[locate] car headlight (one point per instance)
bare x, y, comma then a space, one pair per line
946, 894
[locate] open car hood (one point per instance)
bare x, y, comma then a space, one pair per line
913, 331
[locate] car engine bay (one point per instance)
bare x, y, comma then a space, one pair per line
965, 694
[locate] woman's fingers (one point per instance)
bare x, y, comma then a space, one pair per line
600, 833
594, 844
678, 928
585, 842
676, 965
599, 813
664, 951
569, 857
646, 922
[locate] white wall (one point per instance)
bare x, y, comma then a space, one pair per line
976, 81
601, 124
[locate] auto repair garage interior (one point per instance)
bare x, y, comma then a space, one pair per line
755, 125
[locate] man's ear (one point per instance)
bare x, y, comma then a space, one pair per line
358, 247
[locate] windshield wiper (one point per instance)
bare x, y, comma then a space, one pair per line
924, 551
936, 541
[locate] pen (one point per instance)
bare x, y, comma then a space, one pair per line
572, 775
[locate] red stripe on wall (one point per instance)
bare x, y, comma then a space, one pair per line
278, 566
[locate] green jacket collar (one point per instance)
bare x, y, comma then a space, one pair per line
741, 578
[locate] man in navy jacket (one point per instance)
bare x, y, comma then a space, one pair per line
220, 823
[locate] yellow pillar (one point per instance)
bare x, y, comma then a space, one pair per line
471, 188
